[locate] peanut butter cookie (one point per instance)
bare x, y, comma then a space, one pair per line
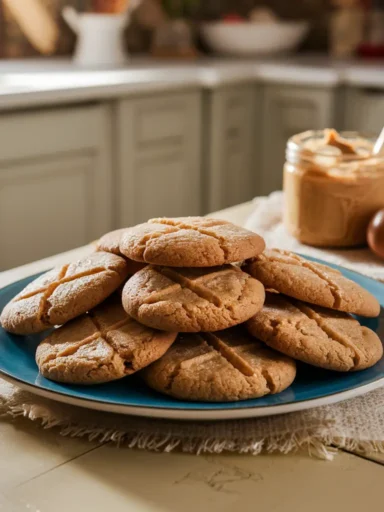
110, 242
104, 345
220, 367
315, 335
64, 293
312, 282
190, 242
192, 299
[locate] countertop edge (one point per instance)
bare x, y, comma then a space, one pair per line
158, 76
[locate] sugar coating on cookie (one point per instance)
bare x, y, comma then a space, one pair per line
110, 242
218, 367
297, 277
102, 346
190, 242
315, 335
192, 299
64, 293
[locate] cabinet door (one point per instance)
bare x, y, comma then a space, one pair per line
288, 110
230, 165
364, 110
159, 157
55, 182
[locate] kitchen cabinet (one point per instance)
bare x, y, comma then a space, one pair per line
287, 110
158, 156
69, 174
364, 110
231, 120
55, 181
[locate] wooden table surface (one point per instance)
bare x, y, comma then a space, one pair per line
41, 471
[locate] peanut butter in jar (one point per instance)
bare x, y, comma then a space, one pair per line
332, 187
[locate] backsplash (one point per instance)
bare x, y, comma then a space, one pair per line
13, 44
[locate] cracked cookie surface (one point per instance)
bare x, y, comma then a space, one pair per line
312, 282
318, 336
64, 293
192, 299
110, 242
190, 242
222, 366
104, 345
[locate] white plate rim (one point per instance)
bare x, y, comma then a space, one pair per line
197, 414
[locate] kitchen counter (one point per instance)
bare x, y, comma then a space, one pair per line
26, 83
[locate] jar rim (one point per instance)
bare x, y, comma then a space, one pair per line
296, 142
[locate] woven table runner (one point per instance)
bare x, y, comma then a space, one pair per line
356, 424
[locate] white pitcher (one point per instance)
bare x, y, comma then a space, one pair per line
99, 37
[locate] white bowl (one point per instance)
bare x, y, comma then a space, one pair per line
249, 39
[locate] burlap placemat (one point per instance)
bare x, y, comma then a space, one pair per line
356, 424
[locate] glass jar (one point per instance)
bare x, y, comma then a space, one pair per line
331, 194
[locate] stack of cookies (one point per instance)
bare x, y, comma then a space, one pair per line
183, 302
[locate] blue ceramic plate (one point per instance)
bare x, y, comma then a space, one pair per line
313, 387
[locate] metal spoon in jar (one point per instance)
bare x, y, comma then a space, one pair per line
379, 144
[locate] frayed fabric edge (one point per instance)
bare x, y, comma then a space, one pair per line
322, 446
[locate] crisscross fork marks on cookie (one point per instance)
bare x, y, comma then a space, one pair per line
194, 285
105, 334
230, 354
233, 356
48, 290
71, 349
111, 327
331, 333
102, 345
180, 225
215, 345
192, 299
43, 289
220, 366
205, 352
157, 234
300, 262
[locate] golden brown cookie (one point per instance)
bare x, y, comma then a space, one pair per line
190, 242
64, 293
110, 242
312, 282
192, 299
104, 345
315, 335
220, 367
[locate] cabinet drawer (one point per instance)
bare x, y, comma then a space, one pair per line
32, 134
158, 140
161, 121
229, 156
47, 202
55, 182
